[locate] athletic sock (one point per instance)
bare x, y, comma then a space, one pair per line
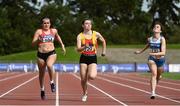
153, 93
51, 81
42, 89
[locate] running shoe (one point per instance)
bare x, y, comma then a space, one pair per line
43, 95
53, 87
84, 98
153, 96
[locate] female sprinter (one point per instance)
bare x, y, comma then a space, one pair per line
156, 60
86, 44
46, 55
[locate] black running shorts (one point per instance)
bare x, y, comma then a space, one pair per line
44, 56
88, 59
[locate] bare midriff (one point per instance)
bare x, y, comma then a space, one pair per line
46, 47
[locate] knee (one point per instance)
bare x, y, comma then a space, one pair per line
83, 81
49, 66
92, 77
154, 74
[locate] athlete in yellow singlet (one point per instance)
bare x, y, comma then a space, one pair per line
87, 46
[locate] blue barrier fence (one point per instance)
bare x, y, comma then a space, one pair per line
31, 67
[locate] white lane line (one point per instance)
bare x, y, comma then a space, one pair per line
124, 85
12, 77
57, 90
102, 91
6, 73
167, 82
18, 86
142, 82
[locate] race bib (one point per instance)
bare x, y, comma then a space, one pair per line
155, 50
47, 38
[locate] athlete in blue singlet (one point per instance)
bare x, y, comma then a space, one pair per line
46, 54
156, 60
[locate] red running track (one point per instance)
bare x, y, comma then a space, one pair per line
107, 89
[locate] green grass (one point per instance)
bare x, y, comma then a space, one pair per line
72, 56
175, 76
24, 56
173, 46
126, 46
169, 46
166, 75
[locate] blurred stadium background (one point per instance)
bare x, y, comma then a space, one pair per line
125, 24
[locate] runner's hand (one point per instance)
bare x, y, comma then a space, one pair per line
64, 50
137, 52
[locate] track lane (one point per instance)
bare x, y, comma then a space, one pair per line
138, 76
71, 93
146, 82
29, 94
139, 87
10, 83
8, 74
